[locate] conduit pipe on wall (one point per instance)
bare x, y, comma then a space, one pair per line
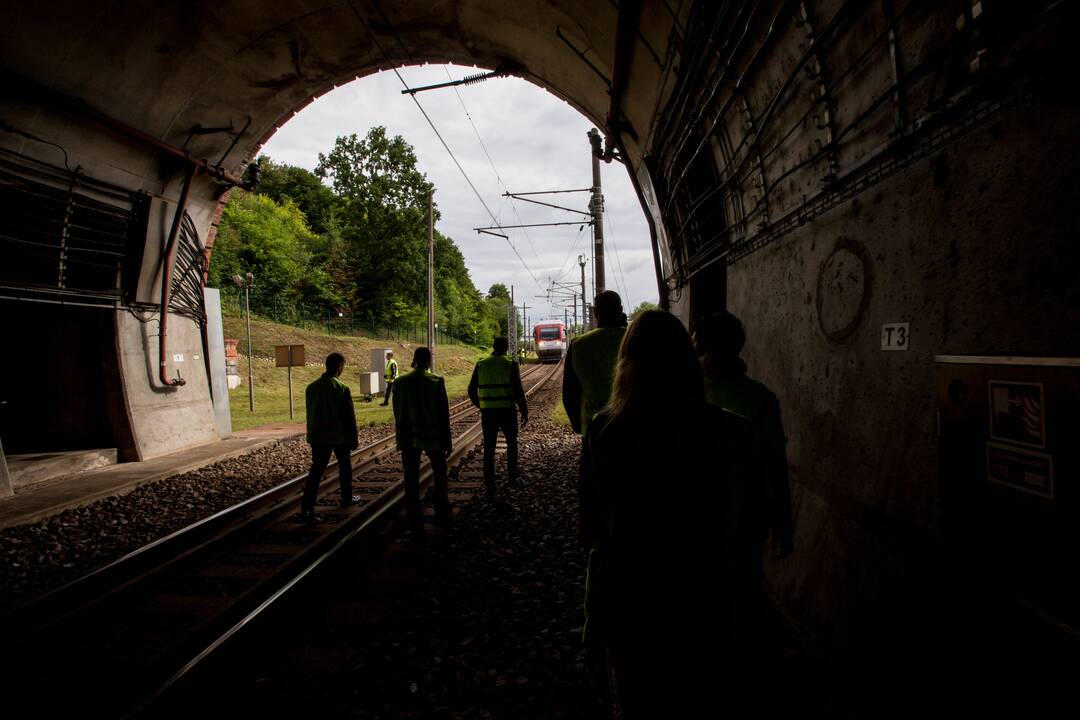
166, 280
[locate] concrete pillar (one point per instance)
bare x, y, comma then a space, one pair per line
215, 353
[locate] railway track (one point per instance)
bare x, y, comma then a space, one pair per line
120, 637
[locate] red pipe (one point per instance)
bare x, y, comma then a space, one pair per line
166, 281
200, 165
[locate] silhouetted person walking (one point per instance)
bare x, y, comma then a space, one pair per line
718, 340
422, 425
390, 376
495, 388
331, 428
587, 379
668, 473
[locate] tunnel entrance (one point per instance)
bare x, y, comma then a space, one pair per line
61, 384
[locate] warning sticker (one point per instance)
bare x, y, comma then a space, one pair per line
1024, 470
1017, 413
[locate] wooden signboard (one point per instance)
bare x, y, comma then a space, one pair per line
289, 356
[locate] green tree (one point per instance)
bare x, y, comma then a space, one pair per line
462, 309
281, 182
271, 241
359, 243
497, 302
375, 172
383, 222
642, 307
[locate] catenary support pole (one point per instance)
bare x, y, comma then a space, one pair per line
247, 315
584, 315
431, 278
596, 205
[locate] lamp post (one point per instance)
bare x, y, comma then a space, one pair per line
245, 283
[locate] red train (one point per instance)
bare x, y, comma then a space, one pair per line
549, 340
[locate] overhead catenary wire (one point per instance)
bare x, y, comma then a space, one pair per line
618, 262
467, 178
495, 170
563, 269
434, 129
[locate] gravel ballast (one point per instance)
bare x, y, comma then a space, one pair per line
481, 621
41, 556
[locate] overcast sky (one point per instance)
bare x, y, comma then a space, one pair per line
535, 141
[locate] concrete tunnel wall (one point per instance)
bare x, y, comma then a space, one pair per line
970, 246
168, 70
159, 420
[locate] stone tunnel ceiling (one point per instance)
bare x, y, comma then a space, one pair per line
736, 119
168, 70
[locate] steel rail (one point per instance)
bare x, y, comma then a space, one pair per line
157, 636
388, 503
184, 545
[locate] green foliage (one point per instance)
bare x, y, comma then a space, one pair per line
358, 245
282, 182
271, 241
376, 172
642, 307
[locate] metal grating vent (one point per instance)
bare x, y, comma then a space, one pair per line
186, 290
64, 233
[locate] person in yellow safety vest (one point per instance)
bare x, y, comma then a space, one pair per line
422, 425
391, 375
587, 379
331, 427
495, 388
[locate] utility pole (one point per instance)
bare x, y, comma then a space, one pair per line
596, 206
584, 315
431, 278
524, 322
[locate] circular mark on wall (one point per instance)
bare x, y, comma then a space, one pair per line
844, 286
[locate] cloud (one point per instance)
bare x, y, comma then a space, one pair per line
535, 141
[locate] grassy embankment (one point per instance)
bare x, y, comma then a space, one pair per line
557, 415
453, 362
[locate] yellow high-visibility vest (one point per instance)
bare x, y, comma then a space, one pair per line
593, 356
419, 410
493, 378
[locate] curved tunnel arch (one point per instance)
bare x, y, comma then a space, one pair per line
949, 152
